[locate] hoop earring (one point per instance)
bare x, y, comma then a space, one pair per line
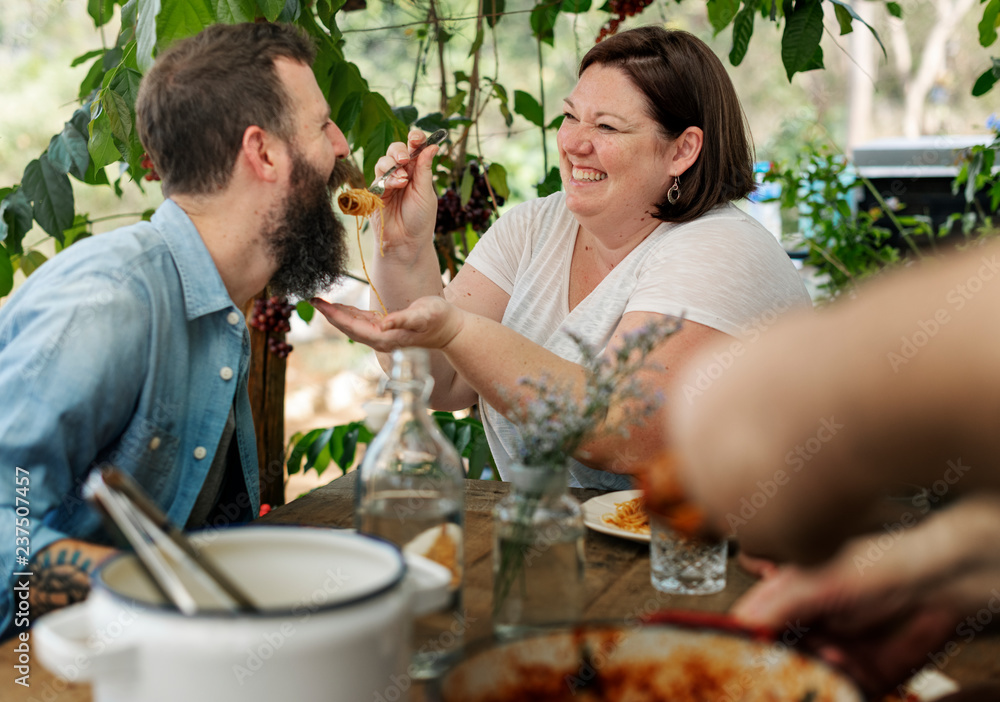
674, 193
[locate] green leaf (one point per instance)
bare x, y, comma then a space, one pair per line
51, 196
463, 438
742, 33
456, 102
465, 191
477, 43
479, 457
543, 21
407, 115
86, 57
146, 31
126, 83
383, 135
987, 80
101, 10
300, 445
493, 10
551, 184
30, 262
95, 174
341, 81
527, 106
556, 122
844, 19
497, 175
575, 7
179, 19
433, 122
349, 111
235, 11
845, 15
15, 219
6, 272
93, 79
988, 24
721, 13
802, 34
119, 116
894, 9
102, 144
68, 151
271, 8
305, 311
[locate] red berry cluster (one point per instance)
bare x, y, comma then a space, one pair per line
478, 211
279, 348
272, 315
147, 163
622, 9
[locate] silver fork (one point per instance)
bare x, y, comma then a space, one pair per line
378, 187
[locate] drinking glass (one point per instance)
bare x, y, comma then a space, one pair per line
684, 566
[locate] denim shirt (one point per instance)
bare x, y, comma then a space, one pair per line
127, 349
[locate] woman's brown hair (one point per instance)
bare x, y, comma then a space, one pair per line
685, 85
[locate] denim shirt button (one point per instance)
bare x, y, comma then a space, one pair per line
154, 443
233, 318
226, 373
200, 452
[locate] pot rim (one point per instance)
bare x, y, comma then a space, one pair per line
99, 584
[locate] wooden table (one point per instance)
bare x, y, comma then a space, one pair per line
617, 587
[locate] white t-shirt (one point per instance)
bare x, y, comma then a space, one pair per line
723, 270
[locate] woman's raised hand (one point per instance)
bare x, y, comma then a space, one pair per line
410, 201
430, 322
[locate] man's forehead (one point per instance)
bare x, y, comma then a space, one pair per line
300, 79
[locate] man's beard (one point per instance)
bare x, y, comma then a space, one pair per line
307, 241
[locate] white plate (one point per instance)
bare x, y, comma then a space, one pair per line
596, 507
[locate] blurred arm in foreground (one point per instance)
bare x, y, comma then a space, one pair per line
803, 448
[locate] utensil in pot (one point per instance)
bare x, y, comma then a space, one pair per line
378, 187
159, 545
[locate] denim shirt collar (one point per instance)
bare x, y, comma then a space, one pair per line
204, 291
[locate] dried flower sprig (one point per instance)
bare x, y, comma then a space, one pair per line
555, 418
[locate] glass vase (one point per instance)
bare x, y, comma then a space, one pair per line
411, 491
538, 566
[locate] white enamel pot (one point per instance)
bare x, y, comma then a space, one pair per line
337, 612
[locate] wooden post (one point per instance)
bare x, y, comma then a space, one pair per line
267, 399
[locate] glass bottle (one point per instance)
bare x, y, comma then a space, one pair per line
410, 491
538, 560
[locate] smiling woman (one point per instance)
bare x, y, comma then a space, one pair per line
652, 151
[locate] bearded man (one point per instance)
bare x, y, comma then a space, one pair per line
130, 348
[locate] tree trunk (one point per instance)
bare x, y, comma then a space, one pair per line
932, 62
267, 400
861, 80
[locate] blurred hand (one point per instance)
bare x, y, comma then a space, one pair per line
410, 201
890, 603
430, 323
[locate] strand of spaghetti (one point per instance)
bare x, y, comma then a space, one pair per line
361, 204
628, 515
